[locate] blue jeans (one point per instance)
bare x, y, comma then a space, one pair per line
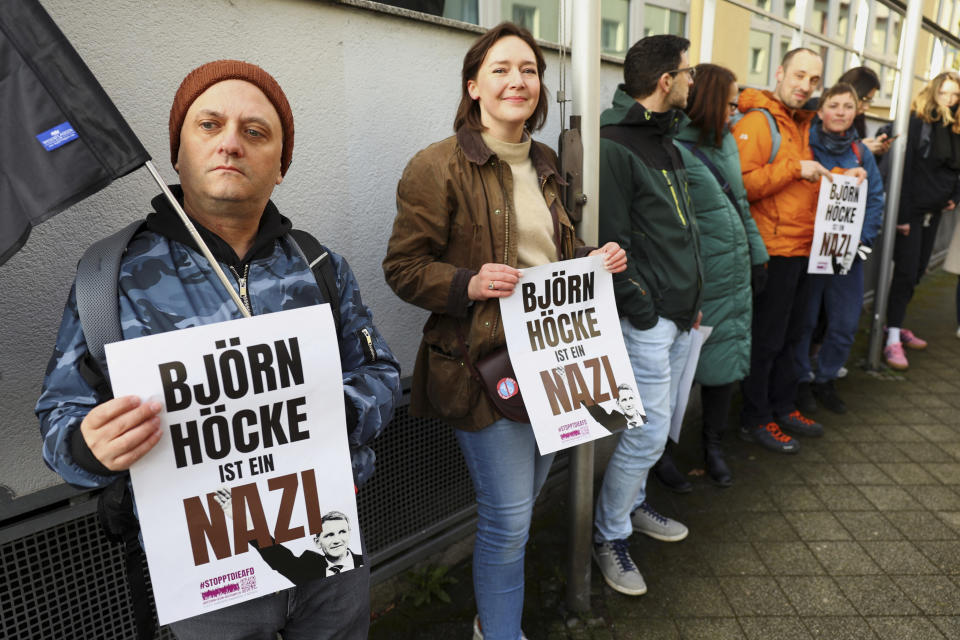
657, 356
842, 299
507, 474
334, 608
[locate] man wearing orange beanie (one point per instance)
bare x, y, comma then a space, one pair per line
231, 141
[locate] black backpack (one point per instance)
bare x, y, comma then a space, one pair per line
96, 291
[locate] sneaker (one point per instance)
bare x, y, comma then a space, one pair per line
827, 396
805, 400
911, 341
800, 425
770, 437
618, 569
478, 632
669, 476
842, 371
647, 521
894, 357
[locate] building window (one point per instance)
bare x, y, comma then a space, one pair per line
820, 16
526, 16
843, 20
758, 69
662, 21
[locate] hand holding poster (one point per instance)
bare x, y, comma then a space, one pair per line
250, 488
836, 234
563, 335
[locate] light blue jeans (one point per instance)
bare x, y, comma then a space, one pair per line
657, 356
507, 474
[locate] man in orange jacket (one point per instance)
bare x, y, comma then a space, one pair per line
782, 181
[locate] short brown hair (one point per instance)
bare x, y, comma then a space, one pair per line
468, 113
838, 89
707, 105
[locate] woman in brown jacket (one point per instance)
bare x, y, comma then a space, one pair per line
472, 211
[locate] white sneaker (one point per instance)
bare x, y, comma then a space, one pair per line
842, 371
478, 634
617, 567
647, 521
958, 332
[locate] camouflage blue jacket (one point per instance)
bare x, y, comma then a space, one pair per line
165, 283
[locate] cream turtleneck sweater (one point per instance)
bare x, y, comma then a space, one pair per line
534, 223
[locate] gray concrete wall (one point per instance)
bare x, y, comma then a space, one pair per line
367, 91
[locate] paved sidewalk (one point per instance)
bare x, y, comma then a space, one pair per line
856, 537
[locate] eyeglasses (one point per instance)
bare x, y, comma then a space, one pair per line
692, 71
866, 100
733, 106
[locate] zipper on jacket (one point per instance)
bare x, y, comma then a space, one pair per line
366, 341
242, 282
673, 192
506, 213
637, 285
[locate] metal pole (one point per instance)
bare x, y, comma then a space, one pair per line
196, 238
908, 50
706, 30
585, 66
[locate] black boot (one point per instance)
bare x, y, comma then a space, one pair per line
669, 476
805, 400
716, 406
827, 396
717, 467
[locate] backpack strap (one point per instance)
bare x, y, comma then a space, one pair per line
724, 185
96, 290
318, 257
774, 132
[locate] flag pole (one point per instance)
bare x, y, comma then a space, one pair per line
196, 237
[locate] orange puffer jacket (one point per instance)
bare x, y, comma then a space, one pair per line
782, 203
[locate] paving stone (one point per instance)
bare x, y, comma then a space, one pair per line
946, 416
817, 525
844, 558
816, 473
944, 554
925, 452
900, 433
935, 595
843, 498
936, 497
868, 525
643, 629
815, 596
788, 559
945, 472
794, 498
755, 596
912, 627
768, 526
724, 527
863, 433
842, 452
687, 596
839, 628
713, 628
920, 525
883, 451
735, 559
899, 558
861, 473
936, 432
907, 473
948, 625
876, 596
774, 628
889, 498
952, 518
910, 415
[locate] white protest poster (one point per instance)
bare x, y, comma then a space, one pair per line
564, 339
836, 233
698, 336
250, 488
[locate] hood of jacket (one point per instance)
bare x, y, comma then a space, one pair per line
165, 222
627, 112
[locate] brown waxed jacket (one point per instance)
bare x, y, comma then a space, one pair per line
455, 213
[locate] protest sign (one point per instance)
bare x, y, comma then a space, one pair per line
836, 233
252, 460
567, 350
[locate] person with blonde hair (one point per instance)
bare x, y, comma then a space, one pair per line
930, 186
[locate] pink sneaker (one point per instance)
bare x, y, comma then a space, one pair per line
893, 354
911, 341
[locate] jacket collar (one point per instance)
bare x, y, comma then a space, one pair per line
476, 151
165, 222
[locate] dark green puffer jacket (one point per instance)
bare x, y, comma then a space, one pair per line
729, 245
645, 207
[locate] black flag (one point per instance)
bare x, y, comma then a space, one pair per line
61, 138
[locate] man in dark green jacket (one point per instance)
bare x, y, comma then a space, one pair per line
645, 206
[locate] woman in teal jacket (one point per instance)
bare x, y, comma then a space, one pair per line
733, 254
